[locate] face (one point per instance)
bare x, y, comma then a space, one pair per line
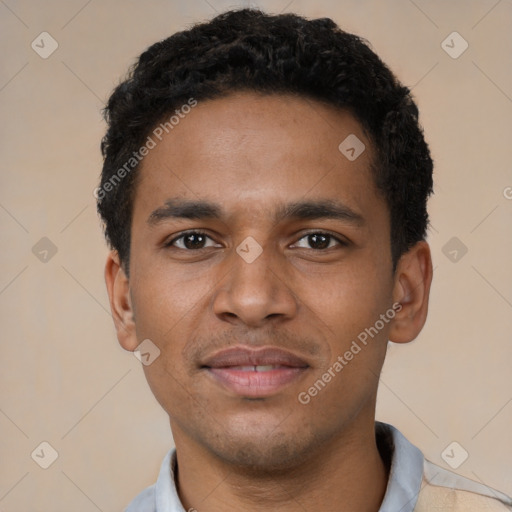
259, 255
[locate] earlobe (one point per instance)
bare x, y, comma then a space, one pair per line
118, 288
413, 278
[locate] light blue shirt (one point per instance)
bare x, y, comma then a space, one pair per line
409, 469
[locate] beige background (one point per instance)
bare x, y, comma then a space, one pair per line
65, 380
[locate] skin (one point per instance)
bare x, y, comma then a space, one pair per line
250, 154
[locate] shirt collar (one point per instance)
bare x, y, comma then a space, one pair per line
166, 494
406, 472
402, 491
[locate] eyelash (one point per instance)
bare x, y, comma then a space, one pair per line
184, 234
169, 244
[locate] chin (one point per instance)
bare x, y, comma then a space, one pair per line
263, 449
262, 456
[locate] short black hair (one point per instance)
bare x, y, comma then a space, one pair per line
249, 50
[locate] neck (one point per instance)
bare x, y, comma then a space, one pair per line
345, 474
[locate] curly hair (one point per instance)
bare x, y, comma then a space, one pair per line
248, 49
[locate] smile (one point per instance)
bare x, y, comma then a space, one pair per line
250, 372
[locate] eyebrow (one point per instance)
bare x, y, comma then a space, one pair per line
301, 210
185, 209
320, 209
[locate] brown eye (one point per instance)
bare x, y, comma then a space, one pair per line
192, 240
319, 241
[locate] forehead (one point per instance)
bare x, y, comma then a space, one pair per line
248, 150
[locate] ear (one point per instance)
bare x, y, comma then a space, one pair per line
413, 277
118, 287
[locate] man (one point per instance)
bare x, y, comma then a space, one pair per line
264, 194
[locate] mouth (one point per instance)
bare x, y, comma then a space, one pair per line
255, 373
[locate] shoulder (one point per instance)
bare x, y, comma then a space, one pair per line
443, 490
144, 502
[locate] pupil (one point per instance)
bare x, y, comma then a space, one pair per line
191, 244
319, 241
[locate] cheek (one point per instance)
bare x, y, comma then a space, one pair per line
164, 298
350, 305
167, 307
348, 299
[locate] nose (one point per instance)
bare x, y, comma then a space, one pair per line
255, 292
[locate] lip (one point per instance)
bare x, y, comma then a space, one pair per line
277, 368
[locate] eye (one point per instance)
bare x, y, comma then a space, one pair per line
192, 240
319, 241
